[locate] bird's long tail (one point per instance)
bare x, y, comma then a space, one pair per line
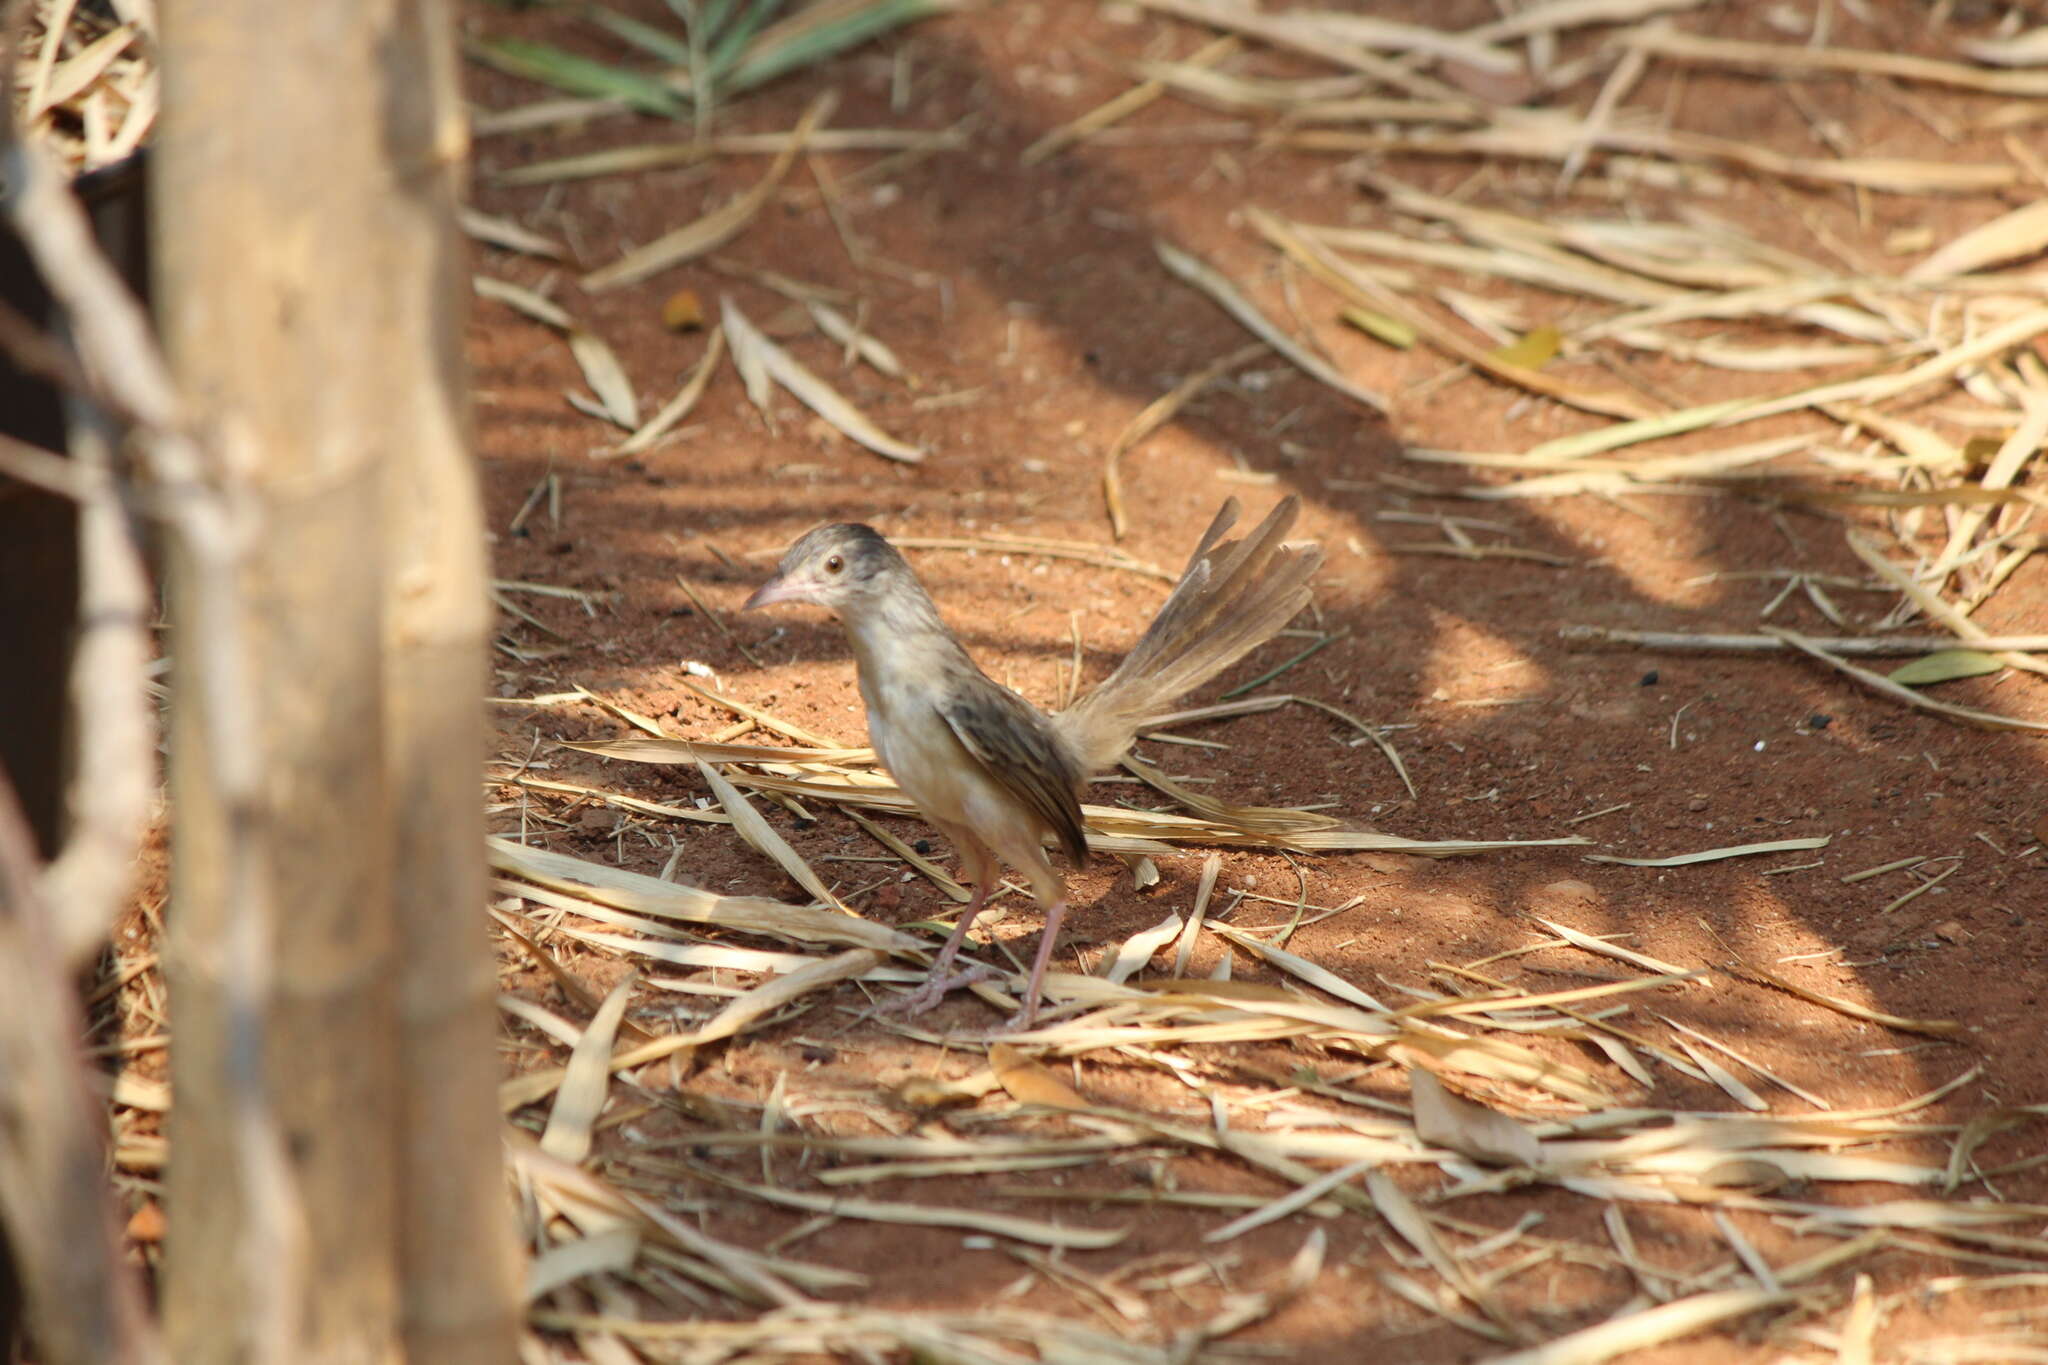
1231, 598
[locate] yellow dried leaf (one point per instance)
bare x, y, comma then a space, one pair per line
1537, 348
1030, 1081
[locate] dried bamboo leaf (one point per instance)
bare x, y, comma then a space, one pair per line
680, 751
2022, 49
1938, 1028
565, 980
2022, 232
1443, 1119
921, 1215
1299, 967
841, 329
1714, 855
1773, 1077
523, 301
1458, 1006
596, 1207
1202, 276
1407, 1220
606, 377
646, 895
1286, 1204
1554, 16
1859, 1326
76, 73
1579, 939
1693, 47
1730, 1084
606, 1253
503, 232
1300, 34
1137, 950
1500, 1061
1650, 1327
586, 1080
1509, 255
764, 360
1251, 819
756, 830
1360, 289
758, 1003
1878, 682
1547, 135
1118, 108
682, 405
742, 1014
719, 226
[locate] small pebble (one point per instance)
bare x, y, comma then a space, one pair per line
1571, 894
1648, 679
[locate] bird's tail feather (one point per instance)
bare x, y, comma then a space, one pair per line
1231, 598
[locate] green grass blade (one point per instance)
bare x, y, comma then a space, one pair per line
576, 75
655, 42
728, 46
799, 42
716, 15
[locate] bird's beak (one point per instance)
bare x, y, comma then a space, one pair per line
777, 589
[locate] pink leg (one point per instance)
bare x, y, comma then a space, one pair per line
937, 985
1054, 913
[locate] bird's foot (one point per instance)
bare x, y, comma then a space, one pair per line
936, 987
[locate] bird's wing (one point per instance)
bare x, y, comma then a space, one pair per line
1020, 753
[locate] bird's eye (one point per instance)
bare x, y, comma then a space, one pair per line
834, 564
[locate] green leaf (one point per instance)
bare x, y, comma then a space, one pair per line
655, 42
577, 75
800, 41
1945, 665
729, 39
1381, 327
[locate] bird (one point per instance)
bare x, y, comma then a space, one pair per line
986, 768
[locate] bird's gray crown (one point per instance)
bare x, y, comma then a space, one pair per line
863, 548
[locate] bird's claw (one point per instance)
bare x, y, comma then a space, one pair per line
937, 988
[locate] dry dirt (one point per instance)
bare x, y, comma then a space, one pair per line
1030, 308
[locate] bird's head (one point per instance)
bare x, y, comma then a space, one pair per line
845, 568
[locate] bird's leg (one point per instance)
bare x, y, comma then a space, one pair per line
1027, 1016
982, 866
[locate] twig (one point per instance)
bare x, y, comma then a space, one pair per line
1273, 673
1873, 645
83, 1303
716, 622
1157, 414
1878, 682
